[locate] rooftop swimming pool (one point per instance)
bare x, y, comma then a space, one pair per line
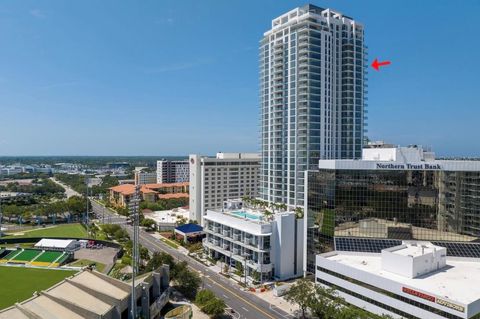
246, 215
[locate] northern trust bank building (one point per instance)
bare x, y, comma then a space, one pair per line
397, 202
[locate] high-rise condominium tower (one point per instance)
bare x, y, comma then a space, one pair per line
312, 92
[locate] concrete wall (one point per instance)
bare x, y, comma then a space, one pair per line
300, 246
397, 264
195, 202
286, 251
383, 283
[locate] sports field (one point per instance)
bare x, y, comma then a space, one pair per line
18, 284
66, 230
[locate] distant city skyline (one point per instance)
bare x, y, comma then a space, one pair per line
177, 78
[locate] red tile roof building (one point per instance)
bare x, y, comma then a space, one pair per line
121, 195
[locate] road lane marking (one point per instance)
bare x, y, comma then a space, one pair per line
245, 309
222, 287
243, 299
225, 297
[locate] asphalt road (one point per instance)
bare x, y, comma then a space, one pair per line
245, 304
68, 190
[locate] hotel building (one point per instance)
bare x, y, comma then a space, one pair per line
215, 180
312, 95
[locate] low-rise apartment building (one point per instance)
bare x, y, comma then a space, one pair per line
268, 247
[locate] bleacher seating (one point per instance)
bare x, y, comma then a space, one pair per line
35, 257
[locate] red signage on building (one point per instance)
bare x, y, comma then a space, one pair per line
418, 294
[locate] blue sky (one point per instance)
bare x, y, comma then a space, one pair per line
176, 77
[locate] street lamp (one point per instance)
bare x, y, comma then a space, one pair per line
86, 219
134, 207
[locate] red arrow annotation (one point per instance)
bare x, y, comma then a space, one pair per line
376, 65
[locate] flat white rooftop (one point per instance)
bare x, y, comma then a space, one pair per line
459, 280
168, 216
414, 251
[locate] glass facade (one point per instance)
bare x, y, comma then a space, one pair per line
382, 207
312, 97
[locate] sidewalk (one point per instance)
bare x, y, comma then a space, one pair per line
267, 295
160, 237
277, 301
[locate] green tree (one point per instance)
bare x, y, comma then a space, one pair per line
299, 212
215, 307
158, 259
268, 214
76, 205
324, 302
187, 280
239, 268
203, 297
121, 235
256, 276
148, 223
300, 293
144, 255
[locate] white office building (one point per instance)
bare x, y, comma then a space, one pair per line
267, 247
312, 91
412, 280
214, 180
393, 194
172, 171
143, 176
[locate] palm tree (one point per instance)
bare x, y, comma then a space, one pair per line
282, 206
274, 206
299, 212
268, 214
247, 200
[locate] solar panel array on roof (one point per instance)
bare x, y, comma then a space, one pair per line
457, 249
366, 245
369, 245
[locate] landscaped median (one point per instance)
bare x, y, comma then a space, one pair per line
170, 243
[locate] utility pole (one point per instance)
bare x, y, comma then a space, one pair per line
134, 214
86, 218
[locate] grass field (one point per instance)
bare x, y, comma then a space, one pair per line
66, 230
27, 255
49, 256
85, 262
18, 284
